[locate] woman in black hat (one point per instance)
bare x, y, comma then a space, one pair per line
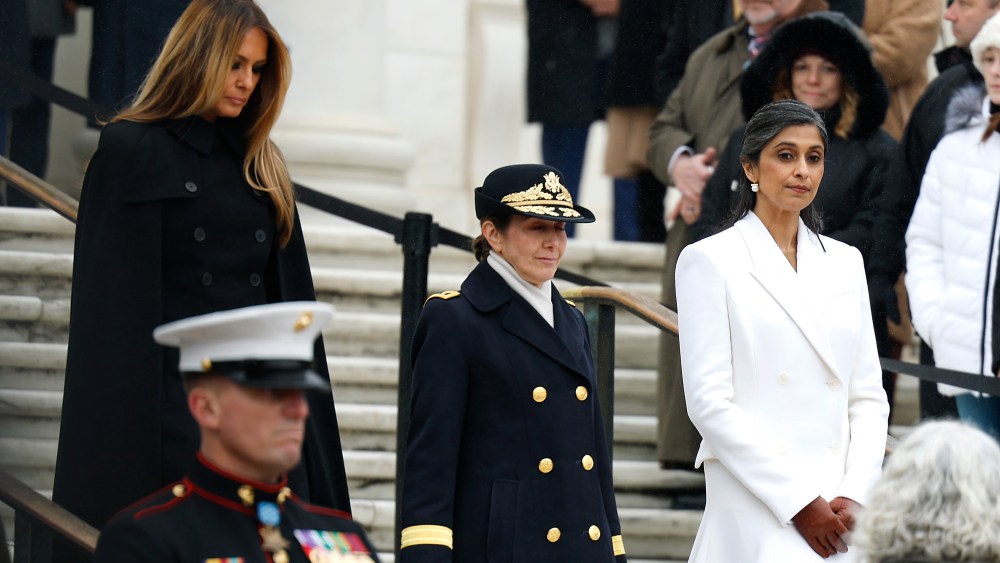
506, 457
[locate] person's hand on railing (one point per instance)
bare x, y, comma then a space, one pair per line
821, 528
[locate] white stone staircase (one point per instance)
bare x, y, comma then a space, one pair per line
359, 271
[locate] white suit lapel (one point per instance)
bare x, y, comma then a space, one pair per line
803, 295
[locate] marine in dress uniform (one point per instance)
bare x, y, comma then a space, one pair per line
507, 458
223, 511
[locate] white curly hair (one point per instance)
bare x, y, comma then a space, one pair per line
939, 497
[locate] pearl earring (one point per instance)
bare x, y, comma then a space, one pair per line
754, 187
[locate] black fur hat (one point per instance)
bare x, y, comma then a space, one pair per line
534, 190
834, 37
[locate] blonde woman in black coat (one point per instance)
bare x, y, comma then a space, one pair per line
187, 208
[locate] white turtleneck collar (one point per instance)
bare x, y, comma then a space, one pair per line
540, 298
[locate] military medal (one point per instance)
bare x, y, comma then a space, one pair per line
269, 516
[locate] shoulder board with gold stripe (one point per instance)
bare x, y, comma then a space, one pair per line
443, 295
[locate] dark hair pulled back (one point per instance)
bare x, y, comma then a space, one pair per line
480, 246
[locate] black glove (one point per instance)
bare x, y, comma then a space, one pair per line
882, 293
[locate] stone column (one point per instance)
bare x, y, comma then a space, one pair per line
333, 130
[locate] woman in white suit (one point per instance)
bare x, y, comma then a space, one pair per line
781, 375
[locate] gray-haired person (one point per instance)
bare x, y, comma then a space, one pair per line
938, 500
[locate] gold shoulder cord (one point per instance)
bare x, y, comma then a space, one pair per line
443, 295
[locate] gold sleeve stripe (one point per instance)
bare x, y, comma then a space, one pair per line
427, 534
617, 545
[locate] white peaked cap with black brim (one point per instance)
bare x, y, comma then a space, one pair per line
265, 346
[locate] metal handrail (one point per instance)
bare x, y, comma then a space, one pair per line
33, 508
43, 192
599, 304
643, 307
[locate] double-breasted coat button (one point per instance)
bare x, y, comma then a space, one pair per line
594, 532
260, 235
588, 462
833, 384
553, 535
539, 394
581, 393
199, 234
835, 447
783, 448
191, 187
545, 465
783, 378
254, 280
206, 279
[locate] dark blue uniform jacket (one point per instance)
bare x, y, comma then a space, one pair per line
211, 516
507, 458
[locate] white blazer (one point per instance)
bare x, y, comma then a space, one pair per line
782, 380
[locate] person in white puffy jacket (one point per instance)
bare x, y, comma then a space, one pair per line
952, 242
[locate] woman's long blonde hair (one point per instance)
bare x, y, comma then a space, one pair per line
189, 76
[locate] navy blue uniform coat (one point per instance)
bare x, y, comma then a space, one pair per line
496, 391
208, 516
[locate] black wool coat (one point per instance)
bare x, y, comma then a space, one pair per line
506, 446
128, 36
13, 51
632, 72
922, 134
209, 516
167, 229
565, 75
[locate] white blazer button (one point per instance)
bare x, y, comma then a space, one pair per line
783, 448
833, 384
783, 378
835, 447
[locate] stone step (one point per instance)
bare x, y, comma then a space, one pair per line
356, 379
361, 379
348, 246
35, 457
352, 333
34, 413
48, 276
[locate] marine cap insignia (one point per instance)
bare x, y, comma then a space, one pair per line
547, 198
303, 322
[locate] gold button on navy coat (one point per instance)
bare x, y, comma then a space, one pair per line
492, 473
